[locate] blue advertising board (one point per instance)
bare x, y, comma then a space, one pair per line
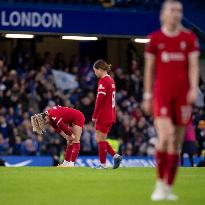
44, 19
75, 21
85, 161
20, 161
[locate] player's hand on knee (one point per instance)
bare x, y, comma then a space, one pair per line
70, 137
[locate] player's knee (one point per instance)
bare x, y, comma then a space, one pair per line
100, 138
174, 145
162, 144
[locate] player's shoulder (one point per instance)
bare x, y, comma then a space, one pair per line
54, 109
188, 33
155, 34
106, 79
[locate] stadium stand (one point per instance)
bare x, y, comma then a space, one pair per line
27, 86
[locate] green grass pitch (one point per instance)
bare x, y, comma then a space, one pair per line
86, 186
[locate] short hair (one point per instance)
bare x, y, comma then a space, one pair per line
101, 64
169, 2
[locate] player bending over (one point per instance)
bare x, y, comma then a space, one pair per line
69, 123
105, 113
171, 61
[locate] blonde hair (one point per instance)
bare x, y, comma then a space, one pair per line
38, 123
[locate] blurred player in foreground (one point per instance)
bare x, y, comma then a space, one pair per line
171, 61
69, 123
105, 113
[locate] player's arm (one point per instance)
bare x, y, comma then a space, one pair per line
194, 71
66, 132
193, 77
55, 127
193, 60
149, 76
101, 95
61, 128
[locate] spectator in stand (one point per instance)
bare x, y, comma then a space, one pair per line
27, 87
189, 145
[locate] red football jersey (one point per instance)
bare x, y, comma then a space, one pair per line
171, 54
62, 117
105, 106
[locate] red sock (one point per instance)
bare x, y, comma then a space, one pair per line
75, 152
110, 150
172, 165
102, 151
68, 152
161, 160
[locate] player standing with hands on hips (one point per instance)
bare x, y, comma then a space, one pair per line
171, 70
105, 113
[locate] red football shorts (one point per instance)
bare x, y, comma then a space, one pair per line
103, 127
79, 119
173, 105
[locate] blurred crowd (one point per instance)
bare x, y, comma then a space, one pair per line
27, 86
99, 4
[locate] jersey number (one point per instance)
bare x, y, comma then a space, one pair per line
113, 99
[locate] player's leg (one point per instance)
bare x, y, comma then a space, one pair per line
67, 154
173, 157
191, 159
102, 146
182, 115
77, 132
116, 157
165, 130
73, 148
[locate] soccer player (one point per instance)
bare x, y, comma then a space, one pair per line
171, 70
69, 123
105, 113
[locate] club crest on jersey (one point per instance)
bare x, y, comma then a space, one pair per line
182, 45
161, 46
101, 87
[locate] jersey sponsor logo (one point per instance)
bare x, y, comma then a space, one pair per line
172, 56
101, 87
161, 46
